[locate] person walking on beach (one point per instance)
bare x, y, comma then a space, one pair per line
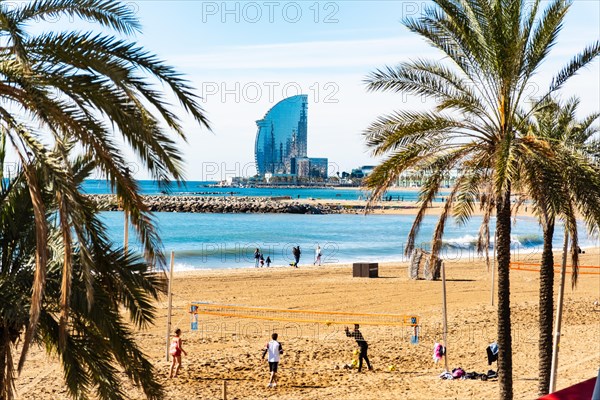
262, 260
175, 350
296, 253
317, 255
268, 261
256, 257
362, 344
274, 349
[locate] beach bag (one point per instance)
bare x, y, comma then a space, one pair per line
446, 375
438, 352
458, 373
492, 374
471, 375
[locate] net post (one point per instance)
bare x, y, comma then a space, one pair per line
445, 312
193, 317
170, 302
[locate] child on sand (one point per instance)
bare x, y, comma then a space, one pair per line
268, 261
175, 350
274, 349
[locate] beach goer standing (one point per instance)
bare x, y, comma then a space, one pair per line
268, 261
317, 255
256, 257
262, 260
274, 349
296, 253
362, 344
175, 350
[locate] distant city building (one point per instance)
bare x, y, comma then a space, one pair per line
281, 141
367, 169
357, 173
281, 136
301, 167
318, 167
415, 178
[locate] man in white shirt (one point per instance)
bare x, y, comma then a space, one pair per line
274, 349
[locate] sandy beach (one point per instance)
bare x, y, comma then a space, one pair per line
397, 207
312, 366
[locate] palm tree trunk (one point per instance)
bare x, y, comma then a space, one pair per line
504, 325
2, 365
546, 309
559, 309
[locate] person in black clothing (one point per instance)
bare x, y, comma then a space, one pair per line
296, 253
362, 344
256, 257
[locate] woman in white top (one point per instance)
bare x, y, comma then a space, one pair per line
317, 255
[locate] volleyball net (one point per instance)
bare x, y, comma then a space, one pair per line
535, 267
328, 318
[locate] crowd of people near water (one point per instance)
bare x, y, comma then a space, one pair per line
260, 260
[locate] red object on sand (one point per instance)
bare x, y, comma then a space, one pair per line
580, 391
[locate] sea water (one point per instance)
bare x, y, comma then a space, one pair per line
205, 188
217, 241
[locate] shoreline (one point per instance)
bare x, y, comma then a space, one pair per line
590, 251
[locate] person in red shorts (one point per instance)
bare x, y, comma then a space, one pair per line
175, 350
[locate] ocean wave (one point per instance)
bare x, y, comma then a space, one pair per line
218, 249
516, 241
526, 240
463, 242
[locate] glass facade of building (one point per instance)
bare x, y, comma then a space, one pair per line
318, 167
282, 136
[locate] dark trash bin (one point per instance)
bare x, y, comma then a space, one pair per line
365, 270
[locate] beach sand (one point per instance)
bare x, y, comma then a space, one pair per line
397, 207
312, 366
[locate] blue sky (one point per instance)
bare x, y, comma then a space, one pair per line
243, 57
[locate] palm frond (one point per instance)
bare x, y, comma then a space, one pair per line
114, 15
578, 62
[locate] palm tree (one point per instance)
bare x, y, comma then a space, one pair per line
96, 335
66, 91
492, 49
572, 140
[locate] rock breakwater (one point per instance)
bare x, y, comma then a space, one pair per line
230, 204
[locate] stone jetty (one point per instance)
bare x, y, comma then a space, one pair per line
232, 204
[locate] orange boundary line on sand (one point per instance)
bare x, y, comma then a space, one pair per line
556, 271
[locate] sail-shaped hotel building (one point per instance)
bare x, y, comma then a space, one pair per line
281, 141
